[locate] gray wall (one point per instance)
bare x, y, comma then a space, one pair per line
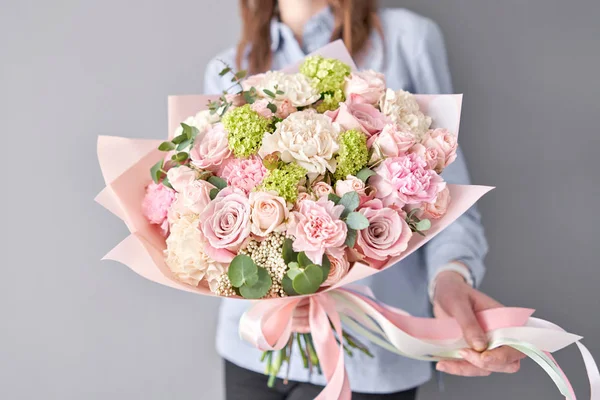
75, 328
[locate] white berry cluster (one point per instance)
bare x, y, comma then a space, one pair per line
267, 254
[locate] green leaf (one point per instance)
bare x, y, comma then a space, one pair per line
224, 71
411, 213
187, 130
325, 267
213, 193
240, 74
260, 288
423, 225
179, 139
351, 237
156, 172
350, 201
309, 280
182, 156
288, 286
272, 107
279, 91
356, 220
293, 272
303, 260
364, 174
269, 93
183, 145
166, 146
166, 182
334, 197
287, 252
249, 96
242, 271
219, 183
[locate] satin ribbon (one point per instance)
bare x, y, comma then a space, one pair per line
268, 326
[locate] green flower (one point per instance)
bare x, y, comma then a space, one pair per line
353, 154
246, 129
331, 101
327, 73
285, 180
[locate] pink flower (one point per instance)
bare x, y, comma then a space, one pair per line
365, 87
236, 99
321, 189
406, 180
226, 224
193, 199
285, 108
430, 155
350, 184
363, 117
252, 81
210, 148
156, 204
269, 213
318, 229
245, 174
302, 196
392, 142
180, 177
445, 143
387, 235
260, 106
339, 269
433, 210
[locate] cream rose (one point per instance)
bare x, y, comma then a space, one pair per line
307, 138
269, 213
321, 189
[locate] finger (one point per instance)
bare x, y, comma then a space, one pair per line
461, 368
502, 355
504, 361
462, 310
481, 301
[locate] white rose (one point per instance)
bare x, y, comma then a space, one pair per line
295, 87
185, 255
306, 137
402, 108
201, 121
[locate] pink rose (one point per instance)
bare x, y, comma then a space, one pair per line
235, 99
445, 143
180, 177
366, 87
193, 199
252, 81
226, 224
260, 106
210, 148
245, 174
406, 180
318, 229
430, 155
433, 210
321, 189
387, 235
302, 196
350, 184
392, 142
156, 204
339, 269
363, 117
269, 213
285, 108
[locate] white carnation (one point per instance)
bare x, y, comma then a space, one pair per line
306, 137
295, 87
402, 108
202, 121
185, 254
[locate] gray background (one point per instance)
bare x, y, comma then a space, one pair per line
75, 328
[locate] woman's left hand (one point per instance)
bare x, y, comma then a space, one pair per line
456, 299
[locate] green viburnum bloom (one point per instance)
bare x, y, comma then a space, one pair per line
284, 180
353, 154
327, 76
331, 101
245, 128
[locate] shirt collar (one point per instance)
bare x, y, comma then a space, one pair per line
317, 31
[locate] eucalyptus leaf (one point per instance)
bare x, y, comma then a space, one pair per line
166, 146
351, 237
423, 225
356, 220
287, 252
303, 260
269, 93
350, 201
242, 271
309, 280
249, 97
240, 74
224, 71
364, 174
179, 139
325, 267
156, 172
187, 130
272, 107
293, 272
166, 182
334, 197
183, 145
288, 286
182, 156
213, 193
219, 183
259, 289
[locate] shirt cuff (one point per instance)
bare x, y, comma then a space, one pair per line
455, 252
457, 267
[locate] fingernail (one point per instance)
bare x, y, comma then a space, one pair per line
479, 344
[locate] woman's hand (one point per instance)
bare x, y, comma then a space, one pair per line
455, 298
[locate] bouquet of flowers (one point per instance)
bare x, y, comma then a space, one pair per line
290, 185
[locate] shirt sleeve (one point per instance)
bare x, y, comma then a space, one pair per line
464, 240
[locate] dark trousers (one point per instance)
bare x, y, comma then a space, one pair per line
242, 384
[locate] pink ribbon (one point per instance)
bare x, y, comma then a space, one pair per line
268, 326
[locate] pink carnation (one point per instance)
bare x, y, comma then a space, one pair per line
245, 174
156, 204
406, 180
318, 229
